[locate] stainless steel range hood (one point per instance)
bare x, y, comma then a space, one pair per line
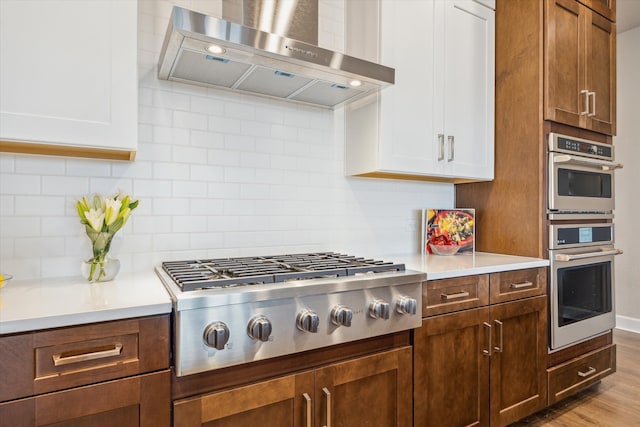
272, 53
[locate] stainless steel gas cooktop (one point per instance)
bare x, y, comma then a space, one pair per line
230, 311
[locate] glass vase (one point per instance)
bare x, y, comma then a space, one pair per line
100, 270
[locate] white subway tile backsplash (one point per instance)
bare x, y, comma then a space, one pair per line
38, 246
207, 173
189, 224
20, 227
88, 168
225, 125
65, 185
170, 100
19, 184
170, 206
39, 165
205, 240
189, 189
183, 119
162, 170
217, 173
40, 205
171, 242
150, 224
207, 139
207, 105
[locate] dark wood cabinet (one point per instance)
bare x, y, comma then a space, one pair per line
579, 60
111, 373
485, 365
370, 390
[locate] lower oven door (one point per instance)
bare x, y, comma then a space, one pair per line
581, 293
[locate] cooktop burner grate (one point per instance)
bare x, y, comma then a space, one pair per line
226, 272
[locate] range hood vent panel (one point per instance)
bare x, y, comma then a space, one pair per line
263, 63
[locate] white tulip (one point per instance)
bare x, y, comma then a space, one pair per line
112, 208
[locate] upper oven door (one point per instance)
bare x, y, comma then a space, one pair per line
580, 184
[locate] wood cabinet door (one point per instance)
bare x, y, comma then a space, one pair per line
143, 400
370, 391
565, 93
282, 402
601, 74
518, 362
451, 370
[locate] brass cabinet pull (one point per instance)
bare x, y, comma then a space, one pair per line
588, 372
307, 405
447, 297
526, 284
487, 326
585, 112
499, 347
327, 394
60, 359
440, 147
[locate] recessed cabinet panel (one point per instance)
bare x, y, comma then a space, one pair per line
436, 121
68, 73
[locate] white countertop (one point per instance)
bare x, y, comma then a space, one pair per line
444, 267
28, 305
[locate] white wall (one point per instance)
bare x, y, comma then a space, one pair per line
216, 174
627, 145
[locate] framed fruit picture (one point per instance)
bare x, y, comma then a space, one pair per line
448, 231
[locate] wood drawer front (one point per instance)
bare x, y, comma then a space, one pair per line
449, 295
142, 400
518, 284
46, 361
574, 375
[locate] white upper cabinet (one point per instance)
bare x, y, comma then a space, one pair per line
437, 121
68, 74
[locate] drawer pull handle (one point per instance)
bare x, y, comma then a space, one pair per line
447, 297
113, 350
500, 346
487, 352
307, 402
589, 371
327, 394
526, 284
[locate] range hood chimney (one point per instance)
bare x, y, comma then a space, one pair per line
268, 48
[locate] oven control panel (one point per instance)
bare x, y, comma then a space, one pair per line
583, 147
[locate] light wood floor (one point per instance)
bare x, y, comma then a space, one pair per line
615, 402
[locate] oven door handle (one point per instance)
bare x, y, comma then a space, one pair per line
602, 252
585, 161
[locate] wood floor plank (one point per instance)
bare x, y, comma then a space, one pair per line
614, 402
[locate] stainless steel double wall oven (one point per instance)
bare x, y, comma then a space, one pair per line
581, 239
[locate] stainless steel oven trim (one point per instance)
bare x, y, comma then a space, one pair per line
571, 334
553, 235
574, 203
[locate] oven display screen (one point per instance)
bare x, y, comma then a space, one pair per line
585, 235
574, 235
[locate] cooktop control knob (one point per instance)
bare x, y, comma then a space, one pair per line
216, 335
259, 328
379, 309
341, 315
406, 305
308, 321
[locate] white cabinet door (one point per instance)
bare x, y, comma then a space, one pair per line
465, 57
407, 108
68, 72
437, 119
